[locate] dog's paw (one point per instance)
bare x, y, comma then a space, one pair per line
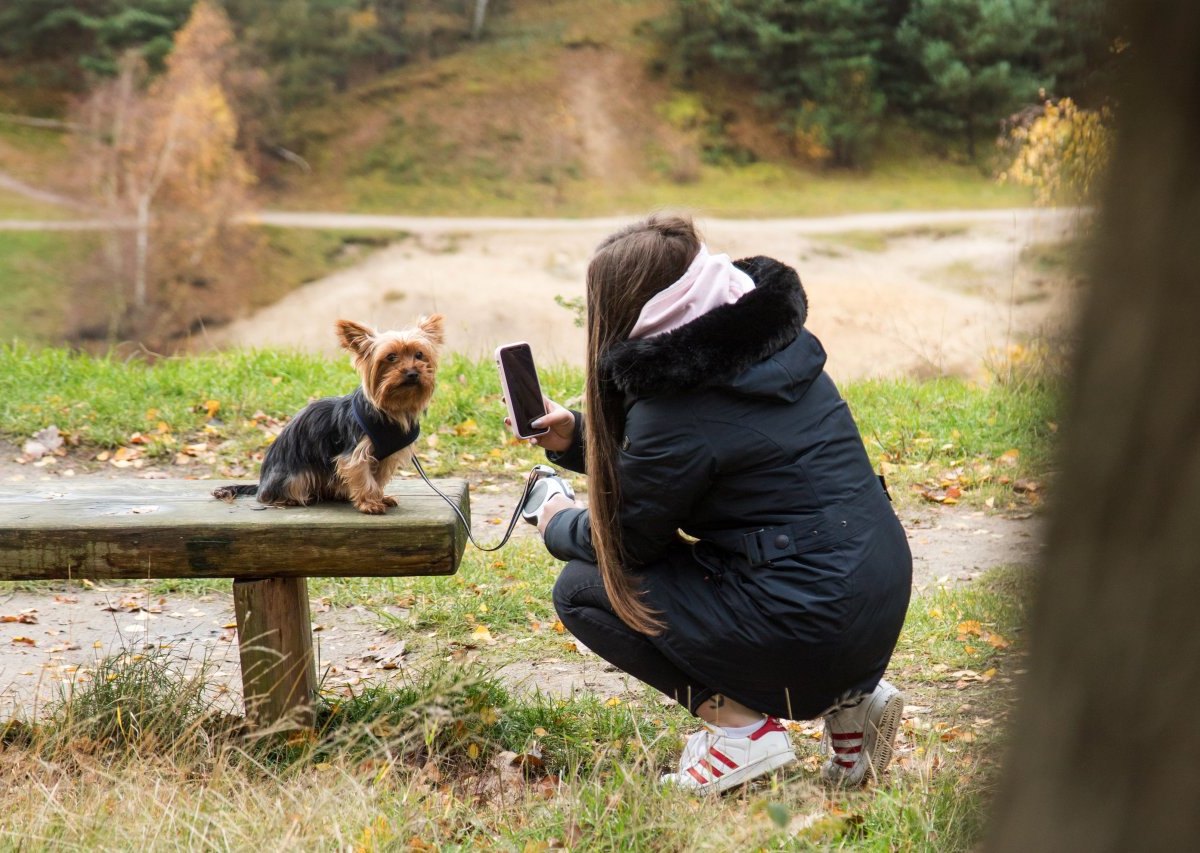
390, 501
372, 507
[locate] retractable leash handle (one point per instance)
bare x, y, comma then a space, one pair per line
540, 493
537, 473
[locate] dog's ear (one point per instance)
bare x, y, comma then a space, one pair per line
354, 336
433, 327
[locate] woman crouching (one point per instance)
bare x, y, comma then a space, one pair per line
709, 414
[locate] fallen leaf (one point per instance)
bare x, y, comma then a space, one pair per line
27, 618
211, 407
482, 633
24, 641
1009, 457
970, 627
43, 441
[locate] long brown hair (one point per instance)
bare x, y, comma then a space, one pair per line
628, 268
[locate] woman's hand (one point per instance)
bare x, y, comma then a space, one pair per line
559, 421
552, 508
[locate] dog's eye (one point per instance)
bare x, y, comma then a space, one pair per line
392, 356
420, 356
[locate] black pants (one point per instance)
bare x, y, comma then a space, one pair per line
586, 612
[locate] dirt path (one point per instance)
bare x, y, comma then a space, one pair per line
13, 184
934, 293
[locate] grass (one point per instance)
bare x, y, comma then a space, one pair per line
953, 440
420, 184
14, 205
1057, 256
216, 414
293, 257
33, 295
878, 241
37, 269
448, 758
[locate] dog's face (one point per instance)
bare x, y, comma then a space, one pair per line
398, 368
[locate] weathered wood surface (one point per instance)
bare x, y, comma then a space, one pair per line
279, 677
175, 528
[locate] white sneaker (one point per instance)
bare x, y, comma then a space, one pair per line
859, 739
714, 761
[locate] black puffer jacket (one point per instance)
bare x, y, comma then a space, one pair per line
798, 584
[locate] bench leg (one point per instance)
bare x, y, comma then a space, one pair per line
274, 625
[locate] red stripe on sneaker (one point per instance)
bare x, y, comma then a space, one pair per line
717, 774
847, 764
847, 750
723, 758
846, 735
697, 775
769, 725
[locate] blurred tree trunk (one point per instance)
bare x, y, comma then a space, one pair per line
478, 19
1105, 752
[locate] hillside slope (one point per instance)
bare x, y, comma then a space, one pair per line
564, 109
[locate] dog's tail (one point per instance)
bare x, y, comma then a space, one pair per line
231, 493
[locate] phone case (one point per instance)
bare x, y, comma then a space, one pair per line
508, 397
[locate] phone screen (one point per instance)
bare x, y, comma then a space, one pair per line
523, 388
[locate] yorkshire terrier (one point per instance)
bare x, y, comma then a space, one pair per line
347, 448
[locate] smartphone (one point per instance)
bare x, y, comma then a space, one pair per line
522, 391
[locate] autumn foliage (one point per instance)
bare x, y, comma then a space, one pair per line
1062, 152
161, 159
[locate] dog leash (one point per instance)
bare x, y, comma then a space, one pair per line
535, 474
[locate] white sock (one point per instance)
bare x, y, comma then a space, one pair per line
742, 731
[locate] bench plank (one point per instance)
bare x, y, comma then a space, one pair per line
176, 529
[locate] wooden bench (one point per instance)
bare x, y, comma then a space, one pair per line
152, 529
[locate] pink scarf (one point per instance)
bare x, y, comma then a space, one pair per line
710, 282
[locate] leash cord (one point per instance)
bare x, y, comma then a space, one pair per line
512, 523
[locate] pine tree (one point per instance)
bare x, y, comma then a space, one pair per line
816, 61
974, 61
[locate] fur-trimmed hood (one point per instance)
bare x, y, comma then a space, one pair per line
727, 346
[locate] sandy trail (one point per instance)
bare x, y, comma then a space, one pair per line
935, 295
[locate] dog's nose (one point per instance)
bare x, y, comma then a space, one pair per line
411, 375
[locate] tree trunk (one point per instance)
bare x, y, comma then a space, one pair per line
477, 21
141, 251
1105, 754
